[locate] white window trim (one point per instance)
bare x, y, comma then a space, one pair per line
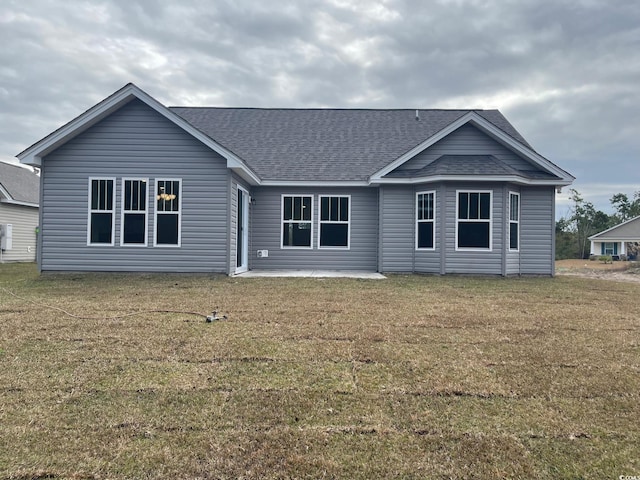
155, 212
433, 192
283, 221
613, 248
112, 211
341, 222
145, 211
509, 222
490, 220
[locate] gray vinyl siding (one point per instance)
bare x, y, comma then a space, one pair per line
266, 231
24, 220
537, 234
474, 262
397, 229
136, 142
467, 140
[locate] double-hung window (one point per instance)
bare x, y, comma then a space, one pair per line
425, 220
168, 212
134, 212
514, 221
101, 211
334, 221
297, 221
473, 222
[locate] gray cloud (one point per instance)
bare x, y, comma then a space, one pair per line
565, 73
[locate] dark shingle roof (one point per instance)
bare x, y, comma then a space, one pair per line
468, 165
22, 184
324, 144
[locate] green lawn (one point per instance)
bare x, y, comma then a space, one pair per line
410, 377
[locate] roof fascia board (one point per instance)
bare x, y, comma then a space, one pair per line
488, 128
331, 183
33, 155
22, 204
5, 193
470, 178
593, 237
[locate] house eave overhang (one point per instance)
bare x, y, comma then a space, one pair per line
472, 178
33, 155
316, 183
487, 127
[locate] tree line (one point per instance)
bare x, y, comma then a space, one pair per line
583, 220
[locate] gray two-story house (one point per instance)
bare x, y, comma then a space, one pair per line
132, 185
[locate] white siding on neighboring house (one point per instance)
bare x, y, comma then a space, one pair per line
24, 220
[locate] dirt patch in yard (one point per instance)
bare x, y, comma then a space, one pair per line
618, 271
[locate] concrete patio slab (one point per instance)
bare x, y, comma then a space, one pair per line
311, 274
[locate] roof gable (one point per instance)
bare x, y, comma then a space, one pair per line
19, 185
625, 231
33, 154
481, 123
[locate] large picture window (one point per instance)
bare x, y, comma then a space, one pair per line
297, 221
168, 212
473, 223
514, 221
134, 212
425, 220
101, 211
334, 222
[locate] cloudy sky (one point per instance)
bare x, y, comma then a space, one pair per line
565, 73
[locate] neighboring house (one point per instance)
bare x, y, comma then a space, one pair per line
19, 189
614, 240
131, 185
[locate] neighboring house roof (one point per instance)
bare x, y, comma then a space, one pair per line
307, 146
628, 231
19, 185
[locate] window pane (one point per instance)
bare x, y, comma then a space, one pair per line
344, 209
127, 195
324, 208
513, 208
101, 227
334, 235
94, 194
288, 208
425, 235
473, 234
167, 229
473, 205
333, 208
297, 208
485, 206
513, 236
420, 207
463, 206
109, 194
306, 208
142, 203
296, 235
133, 229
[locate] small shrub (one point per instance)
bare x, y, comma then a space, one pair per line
605, 259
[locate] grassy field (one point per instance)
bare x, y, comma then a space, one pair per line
410, 377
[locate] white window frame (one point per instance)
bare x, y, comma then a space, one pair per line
283, 221
432, 220
145, 211
475, 220
511, 221
156, 213
112, 211
339, 222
